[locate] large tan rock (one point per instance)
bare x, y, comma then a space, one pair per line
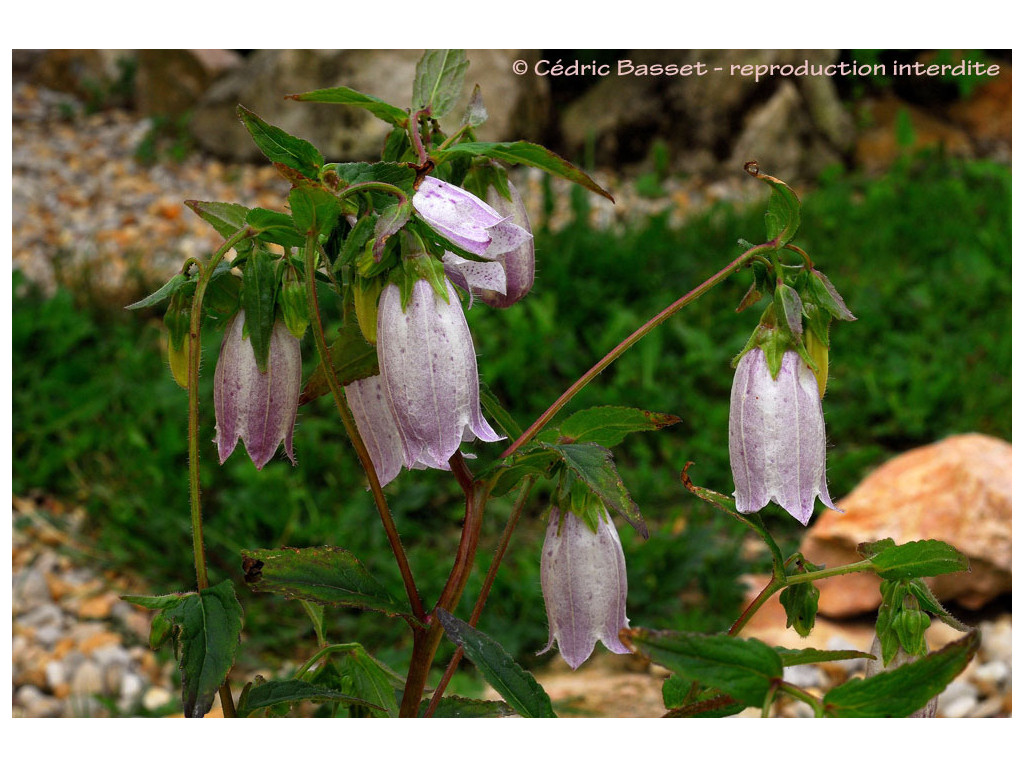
957, 490
170, 82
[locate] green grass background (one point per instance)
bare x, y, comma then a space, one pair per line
921, 255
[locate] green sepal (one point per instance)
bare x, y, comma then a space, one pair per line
801, 604
517, 686
293, 303
281, 147
258, 294
390, 221
356, 240
437, 84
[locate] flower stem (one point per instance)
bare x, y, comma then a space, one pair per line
353, 432
633, 338
195, 350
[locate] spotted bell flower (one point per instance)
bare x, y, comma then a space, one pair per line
260, 408
368, 400
519, 261
428, 367
466, 220
777, 436
583, 578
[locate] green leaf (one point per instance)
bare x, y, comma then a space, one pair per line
457, 706
258, 302
789, 308
157, 602
608, 425
783, 216
525, 153
352, 358
919, 558
208, 625
391, 220
594, 465
801, 604
365, 678
744, 669
314, 209
517, 468
275, 692
506, 423
343, 95
794, 657
275, 227
326, 575
162, 293
438, 81
476, 113
281, 147
396, 174
515, 684
226, 218
902, 691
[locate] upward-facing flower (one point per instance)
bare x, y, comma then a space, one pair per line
259, 408
583, 578
428, 365
777, 436
466, 220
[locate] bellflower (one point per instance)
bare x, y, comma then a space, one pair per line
519, 261
466, 220
368, 400
583, 578
428, 365
777, 436
259, 408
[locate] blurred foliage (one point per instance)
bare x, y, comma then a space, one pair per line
921, 255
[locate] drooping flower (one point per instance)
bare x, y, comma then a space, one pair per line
777, 436
368, 400
583, 578
259, 408
428, 365
466, 220
519, 261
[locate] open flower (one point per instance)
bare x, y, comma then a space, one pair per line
519, 261
777, 436
428, 365
466, 220
583, 578
259, 408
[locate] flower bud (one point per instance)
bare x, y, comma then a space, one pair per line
466, 220
777, 436
874, 666
518, 262
428, 365
583, 578
259, 408
294, 306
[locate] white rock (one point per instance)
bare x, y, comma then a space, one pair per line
56, 673
958, 707
155, 698
87, 680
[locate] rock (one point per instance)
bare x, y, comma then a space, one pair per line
987, 115
35, 703
89, 74
879, 146
349, 133
957, 491
155, 698
997, 639
170, 82
88, 680
29, 589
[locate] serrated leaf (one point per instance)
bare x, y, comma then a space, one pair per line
226, 218
902, 691
390, 221
595, 466
208, 625
279, 146
260, 285
342, 95
608, 425
352, 358
363, 677
457, 706
745, 669
826, 295
517, 468
326, 575
515, 684
157, 602
524, 153
396, 174
314, 209
164, 292
275, 227
792, 657
275, 692
438, 81
919, 558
